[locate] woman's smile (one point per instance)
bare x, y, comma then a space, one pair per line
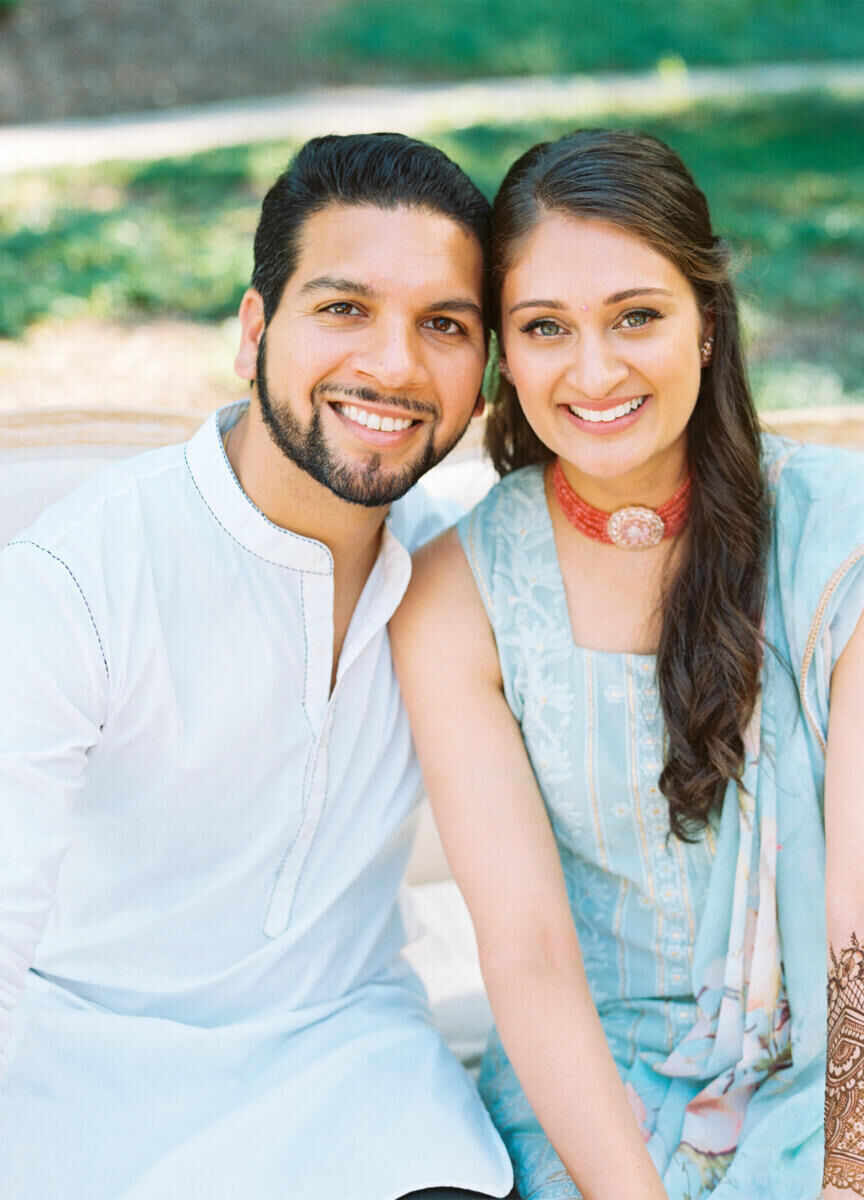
610, 417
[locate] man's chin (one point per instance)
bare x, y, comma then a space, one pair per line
371, 489
363, 479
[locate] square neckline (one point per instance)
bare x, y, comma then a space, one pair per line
545, 518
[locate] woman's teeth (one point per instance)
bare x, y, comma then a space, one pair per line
372, 420
609, 414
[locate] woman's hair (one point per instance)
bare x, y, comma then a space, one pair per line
709, 657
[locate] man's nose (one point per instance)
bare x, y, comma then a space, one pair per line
596, 369
392, 356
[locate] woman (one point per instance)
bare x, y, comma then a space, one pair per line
623, 723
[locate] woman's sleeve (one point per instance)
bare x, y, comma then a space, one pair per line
820, 566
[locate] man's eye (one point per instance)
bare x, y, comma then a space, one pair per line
543, 327
443, 325
342, 308
637, 318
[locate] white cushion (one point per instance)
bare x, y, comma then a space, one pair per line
443, 951
33, 478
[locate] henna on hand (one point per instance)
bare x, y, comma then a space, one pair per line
844, 1083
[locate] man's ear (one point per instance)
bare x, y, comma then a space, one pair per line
251, 315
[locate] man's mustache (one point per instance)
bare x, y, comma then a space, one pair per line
408, 403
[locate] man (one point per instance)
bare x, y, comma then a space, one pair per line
206, 777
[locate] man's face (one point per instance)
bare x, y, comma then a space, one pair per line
371, 367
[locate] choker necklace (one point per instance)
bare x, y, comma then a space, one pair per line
633, 527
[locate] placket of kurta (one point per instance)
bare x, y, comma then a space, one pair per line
381, 594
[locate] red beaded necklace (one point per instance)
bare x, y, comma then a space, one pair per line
633, 527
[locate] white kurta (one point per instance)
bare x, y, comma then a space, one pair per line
200, 850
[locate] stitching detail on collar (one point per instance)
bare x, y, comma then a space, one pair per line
270, 562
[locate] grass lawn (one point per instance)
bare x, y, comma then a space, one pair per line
785, 178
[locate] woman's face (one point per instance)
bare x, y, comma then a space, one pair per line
602, 339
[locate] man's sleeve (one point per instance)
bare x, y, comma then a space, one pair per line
53, 697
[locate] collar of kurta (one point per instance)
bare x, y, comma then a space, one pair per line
243, 521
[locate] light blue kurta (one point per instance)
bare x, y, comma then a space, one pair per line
681, 942
200, 851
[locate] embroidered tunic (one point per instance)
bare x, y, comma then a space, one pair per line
200, 853
691, 972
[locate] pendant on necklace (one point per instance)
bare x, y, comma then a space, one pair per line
634, 527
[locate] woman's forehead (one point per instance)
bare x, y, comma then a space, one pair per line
583, 254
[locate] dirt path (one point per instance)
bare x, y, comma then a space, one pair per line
412, 110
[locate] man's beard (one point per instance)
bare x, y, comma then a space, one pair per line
370, 485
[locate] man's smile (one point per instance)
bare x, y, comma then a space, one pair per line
376, 425
374, 420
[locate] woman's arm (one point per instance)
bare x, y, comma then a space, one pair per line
844, 831
502, 852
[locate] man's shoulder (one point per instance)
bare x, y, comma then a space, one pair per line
115, 506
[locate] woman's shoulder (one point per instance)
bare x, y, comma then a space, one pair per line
817, 499
514, 500
511, 521
802, 474
816, 565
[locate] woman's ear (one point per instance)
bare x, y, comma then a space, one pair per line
504, 369
251, 315
706, 347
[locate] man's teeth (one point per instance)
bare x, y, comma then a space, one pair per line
372, 420
610, 414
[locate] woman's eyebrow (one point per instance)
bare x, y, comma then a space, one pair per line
637, 291
615, 298
559, 304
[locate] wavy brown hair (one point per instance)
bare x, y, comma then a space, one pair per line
710, 652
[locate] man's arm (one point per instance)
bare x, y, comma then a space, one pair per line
844, 829
53, 694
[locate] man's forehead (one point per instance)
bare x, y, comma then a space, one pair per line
337, 240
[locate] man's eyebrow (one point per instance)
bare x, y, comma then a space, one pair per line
327, 283
456, 304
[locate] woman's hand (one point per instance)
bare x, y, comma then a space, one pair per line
844, 832
500, 846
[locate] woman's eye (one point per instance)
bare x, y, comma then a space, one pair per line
543, 327
443, 325
637, 318
342, 308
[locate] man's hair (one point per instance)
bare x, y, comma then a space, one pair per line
386, 170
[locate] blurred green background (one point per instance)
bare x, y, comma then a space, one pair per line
130, 242
453, 39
